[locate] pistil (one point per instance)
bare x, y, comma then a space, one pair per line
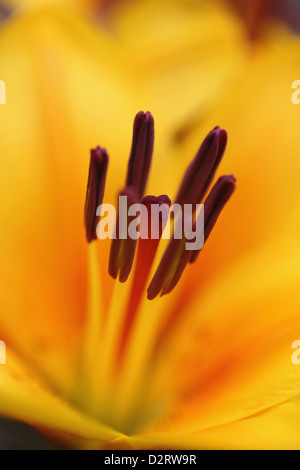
157, 215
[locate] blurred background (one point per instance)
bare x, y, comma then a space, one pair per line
286, 10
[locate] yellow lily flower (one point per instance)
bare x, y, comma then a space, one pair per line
209, 365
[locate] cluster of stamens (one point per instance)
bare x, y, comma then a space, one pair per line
194, 186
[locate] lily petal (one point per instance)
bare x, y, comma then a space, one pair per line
53, 62
236, 356
24, 396
276, 429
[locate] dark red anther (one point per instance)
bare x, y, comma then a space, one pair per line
123, 249
214, 204
201, 171
95, 190
193, 188
195, 184
141, 152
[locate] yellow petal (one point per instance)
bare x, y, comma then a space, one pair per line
263, 155
234, 357
23, 396
183, 53
63, 97
276, 429
262, 150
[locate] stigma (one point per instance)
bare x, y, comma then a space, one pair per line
148, 215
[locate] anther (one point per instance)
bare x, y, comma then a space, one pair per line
201, 171
141, 152
95, 190
123, 249
214, 204
195, 184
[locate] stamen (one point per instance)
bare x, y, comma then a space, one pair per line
195, 183
147, 249
141, 152
201, 171
95, 190
193, 188
123, 250
214, 204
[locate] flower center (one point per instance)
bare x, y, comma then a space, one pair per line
153, 221
195, 183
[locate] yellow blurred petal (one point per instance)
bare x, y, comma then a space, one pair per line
23, 396
276, 429
232, 359
63, 97
183, 53
262, 153
262, 123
